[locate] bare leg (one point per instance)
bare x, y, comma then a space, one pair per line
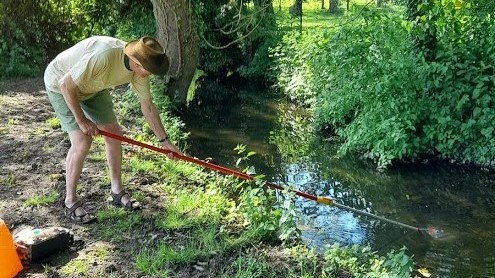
78, 151
113, 150
114, 159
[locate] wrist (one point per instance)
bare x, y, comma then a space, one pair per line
80, 119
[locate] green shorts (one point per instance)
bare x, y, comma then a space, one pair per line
98, 109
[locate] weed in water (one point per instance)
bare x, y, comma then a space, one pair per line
42, 200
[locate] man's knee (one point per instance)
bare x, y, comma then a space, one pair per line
112, 128
80, 143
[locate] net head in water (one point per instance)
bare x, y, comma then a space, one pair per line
435, 233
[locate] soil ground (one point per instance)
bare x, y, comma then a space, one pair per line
32, 158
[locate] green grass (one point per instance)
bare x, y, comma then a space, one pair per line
249, 267
97, 153
117, 224
4, 130
192, 207
10, 180
313, 15
142, 166
42, 200
53, 122
84, 264
13, 121
75, 267
191, 245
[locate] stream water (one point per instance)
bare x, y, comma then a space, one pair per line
458, 200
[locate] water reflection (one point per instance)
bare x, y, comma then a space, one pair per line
459, 200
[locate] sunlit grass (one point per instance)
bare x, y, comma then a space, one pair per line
97, 153
13, 121
42, 200
39, 131
4, 129
247, 267
53, 122
117, 224
83, 265
75, 267
141, 166
192, 207
195, 244
313, 14
9, 180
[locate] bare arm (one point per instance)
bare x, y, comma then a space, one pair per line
153, 118
69, 91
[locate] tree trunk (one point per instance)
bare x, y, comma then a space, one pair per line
322, 4
265, 8
333, 6
296, 8
175, 27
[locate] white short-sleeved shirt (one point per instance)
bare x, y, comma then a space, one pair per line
95, 64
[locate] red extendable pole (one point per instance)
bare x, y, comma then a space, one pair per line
208, 165
436, 233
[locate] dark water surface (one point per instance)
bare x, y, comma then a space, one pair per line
457, 200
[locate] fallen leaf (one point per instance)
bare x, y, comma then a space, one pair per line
423, 271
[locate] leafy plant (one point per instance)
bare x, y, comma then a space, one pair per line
53, 122
370, 84
42, 200
399, 263
362, 262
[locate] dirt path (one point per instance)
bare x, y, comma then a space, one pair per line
32, 164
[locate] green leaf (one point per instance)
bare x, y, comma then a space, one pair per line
487, 132
476, 93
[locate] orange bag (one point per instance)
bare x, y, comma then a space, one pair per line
10, 264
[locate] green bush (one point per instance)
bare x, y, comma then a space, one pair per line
235, 37
21, 39
33, 31
461, 83
372, 89
362, 262
367, 83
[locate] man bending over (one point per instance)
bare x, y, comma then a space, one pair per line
77, 83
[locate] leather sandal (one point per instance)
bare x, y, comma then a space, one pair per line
132, 204
84, 218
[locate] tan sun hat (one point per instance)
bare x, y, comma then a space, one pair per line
149, 53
